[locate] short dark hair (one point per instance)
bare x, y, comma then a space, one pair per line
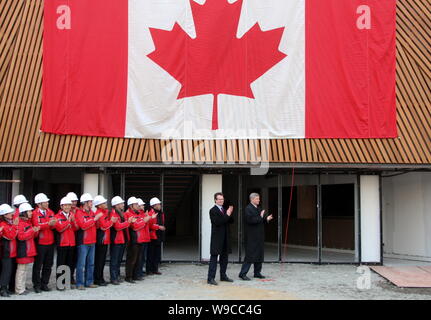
218, 194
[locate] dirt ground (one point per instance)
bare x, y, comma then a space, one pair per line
283, 282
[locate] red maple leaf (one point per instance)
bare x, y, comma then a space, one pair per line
216, 61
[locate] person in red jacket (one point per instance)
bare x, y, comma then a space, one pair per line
103, 238
72, 196
65, 235
85, 241
17, 201
119, 237
9, 228
157, 237
136, 239
26, 247
146, 237
44, 218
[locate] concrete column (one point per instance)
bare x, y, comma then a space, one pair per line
370, 218
211, 183
90, 184
16, 175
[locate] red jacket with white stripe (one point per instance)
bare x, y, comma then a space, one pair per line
46, 233
9, 233
103, 225
65, 229
153, 226
26, 247
86, 233
120, 229
146, 231
136, 232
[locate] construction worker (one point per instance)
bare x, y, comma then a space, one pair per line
44, 218
119, 237
65, 227
157, 235
74, 198
103, 238
135, 240
17, 201
146, 237
85, 241
9, 231
26, 246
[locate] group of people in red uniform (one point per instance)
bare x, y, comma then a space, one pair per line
81, 237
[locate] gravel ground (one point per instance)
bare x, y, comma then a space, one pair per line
284, 281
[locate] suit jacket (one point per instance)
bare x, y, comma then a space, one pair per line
220, 231
254, 234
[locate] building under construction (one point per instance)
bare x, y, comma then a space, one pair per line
333, 200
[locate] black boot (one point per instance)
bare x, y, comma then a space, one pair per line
3, 292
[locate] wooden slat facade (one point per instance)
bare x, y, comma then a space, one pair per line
21, 141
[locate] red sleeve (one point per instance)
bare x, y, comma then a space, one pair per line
139, 224
25, 235
35, 221
61, 226
153, 225
84, 225
9, 231
105, 222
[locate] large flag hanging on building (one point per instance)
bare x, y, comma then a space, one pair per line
219, 68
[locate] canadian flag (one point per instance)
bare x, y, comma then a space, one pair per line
193, 69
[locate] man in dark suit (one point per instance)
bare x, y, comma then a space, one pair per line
220, 246
255, 220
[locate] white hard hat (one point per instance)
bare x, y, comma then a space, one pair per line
72, 196
65, 200
40, 197
154, 201
140, 202
99, 200
5, 209
23, 207
19, 199
131, 200
86, 197
116, 200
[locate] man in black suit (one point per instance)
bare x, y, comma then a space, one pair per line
255, 220
220, 246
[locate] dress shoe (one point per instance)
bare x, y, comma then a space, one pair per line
81, 288
45, 288
37, 290
4, 293
245, 278
92, 286
226, 278
259, 276
158, 273
149, 273
138, 279
212, 281
23, 293
115, 282
103, 284
130, 280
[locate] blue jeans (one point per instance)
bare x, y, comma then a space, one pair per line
143, 259
116, 256
85, 260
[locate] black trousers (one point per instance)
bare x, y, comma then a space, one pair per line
154, 256
43, 261
132, 260
66, 256
212, 269
6, 272
99, 262
246, 267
